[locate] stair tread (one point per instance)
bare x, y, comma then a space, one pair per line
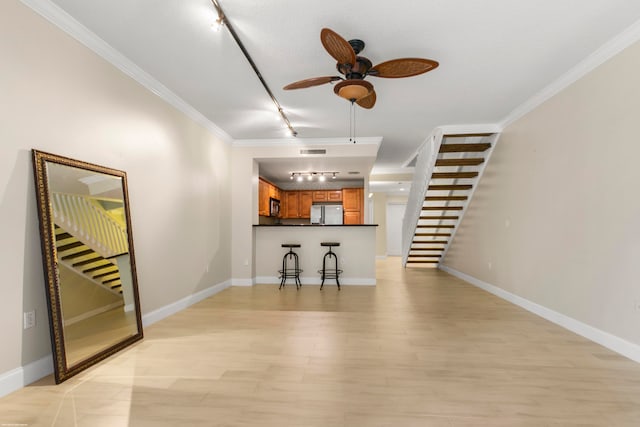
68, 246
427, 249
443, 198
442, 208
472, 161
415, 261
108, 273
98, 267
425, 256
88, 261
430, 242
466, 135
453, 175
438, 187
433, 234
77, 254
436, 226
115, 279
440, 217
476, 147
64, 235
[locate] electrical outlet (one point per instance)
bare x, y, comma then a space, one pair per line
29, 319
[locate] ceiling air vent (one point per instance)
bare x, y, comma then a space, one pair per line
316, 151
353, 173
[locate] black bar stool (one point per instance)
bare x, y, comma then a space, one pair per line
327, 272
290, 271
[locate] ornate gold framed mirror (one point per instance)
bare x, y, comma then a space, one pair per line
88, 258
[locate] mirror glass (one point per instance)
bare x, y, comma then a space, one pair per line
89, 263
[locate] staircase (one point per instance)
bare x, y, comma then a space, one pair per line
86, 262
442, 194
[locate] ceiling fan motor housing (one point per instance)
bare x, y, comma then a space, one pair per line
356, 71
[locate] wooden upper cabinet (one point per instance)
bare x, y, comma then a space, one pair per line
266, 191
320, 196
334, 195
292, 202
351, 199
304, 208
263, 198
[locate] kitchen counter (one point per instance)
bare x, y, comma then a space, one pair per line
356, 253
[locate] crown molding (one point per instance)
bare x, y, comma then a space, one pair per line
595, 59
306, 142
69, 25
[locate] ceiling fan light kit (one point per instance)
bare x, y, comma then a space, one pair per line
353, 90
355, 69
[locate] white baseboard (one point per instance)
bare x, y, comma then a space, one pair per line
274, 280
24, 375
605, 339
242, 282
95, 312
381, 257
173, 308
17, 378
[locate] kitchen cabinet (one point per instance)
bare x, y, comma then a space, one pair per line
266, 191
353, 205
351, 199
263, 198
334, 195
306, 199
291, 204
352, 217
327, 196
320, 196
297, 204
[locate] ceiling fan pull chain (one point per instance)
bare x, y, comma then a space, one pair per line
351, 122
353, 109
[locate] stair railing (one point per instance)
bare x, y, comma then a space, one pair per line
90, 224
425, 163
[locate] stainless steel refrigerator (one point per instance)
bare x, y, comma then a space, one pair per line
326, 214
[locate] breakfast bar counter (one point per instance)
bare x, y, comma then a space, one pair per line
356, 253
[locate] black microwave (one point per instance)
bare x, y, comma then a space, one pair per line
274, 207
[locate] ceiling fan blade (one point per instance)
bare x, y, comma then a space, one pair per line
404, 67
368, 101
314, 81
337, 47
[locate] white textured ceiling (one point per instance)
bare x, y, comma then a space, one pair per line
493, 54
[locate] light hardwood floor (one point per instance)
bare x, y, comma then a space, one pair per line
421, 349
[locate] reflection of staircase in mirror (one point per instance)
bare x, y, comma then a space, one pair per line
85, 261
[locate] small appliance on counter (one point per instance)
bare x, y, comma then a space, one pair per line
326, 214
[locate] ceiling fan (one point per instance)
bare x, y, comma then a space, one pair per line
355, 68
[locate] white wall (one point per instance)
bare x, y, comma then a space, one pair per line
59, 97
556, 216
